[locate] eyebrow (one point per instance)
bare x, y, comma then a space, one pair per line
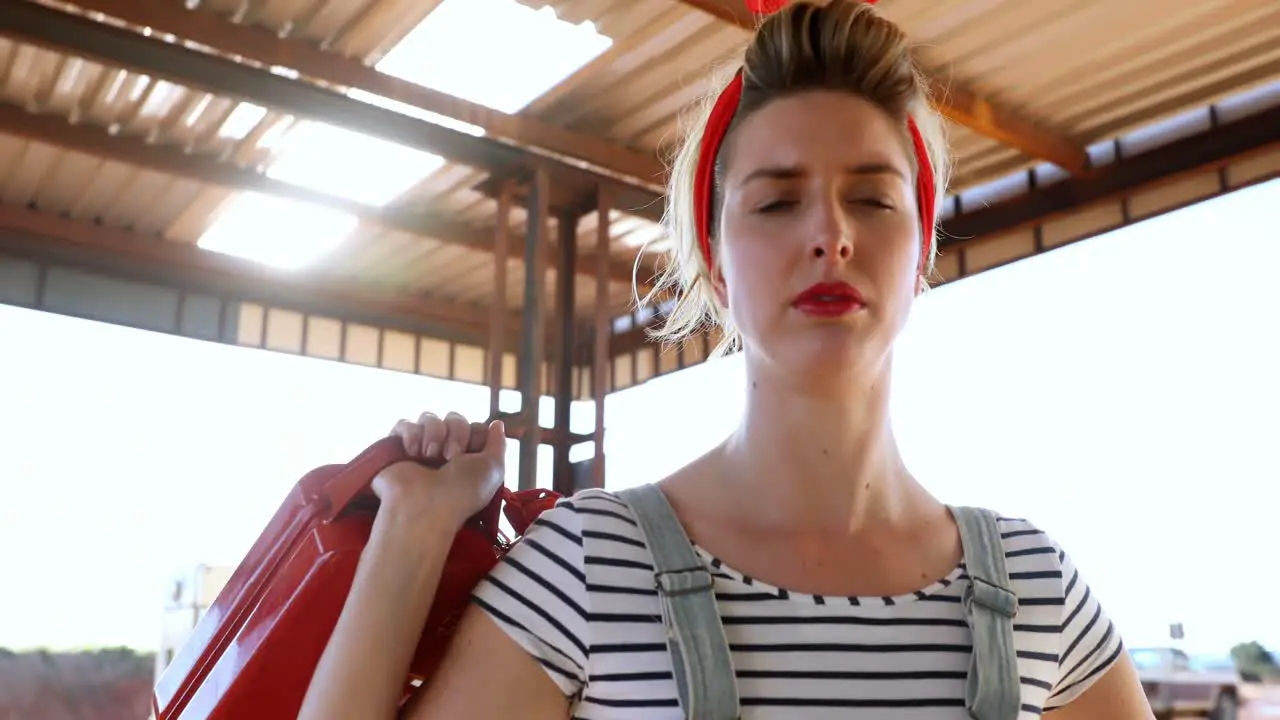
791, 172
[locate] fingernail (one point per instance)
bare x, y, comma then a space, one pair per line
450, 450
433, 449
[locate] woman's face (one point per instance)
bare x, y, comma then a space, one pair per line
819, 233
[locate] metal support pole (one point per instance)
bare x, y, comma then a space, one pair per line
531, 357
562, 481
498, 313
600, 362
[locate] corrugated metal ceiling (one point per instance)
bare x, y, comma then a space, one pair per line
1088, 69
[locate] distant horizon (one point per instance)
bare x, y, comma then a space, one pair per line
76, 651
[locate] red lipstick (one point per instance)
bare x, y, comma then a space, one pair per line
829, 299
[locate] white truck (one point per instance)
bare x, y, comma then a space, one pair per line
1179, 685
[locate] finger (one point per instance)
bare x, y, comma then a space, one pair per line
433, 433
457, 435
479, 434
495, 445
410, 433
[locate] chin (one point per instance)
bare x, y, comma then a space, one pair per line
826, 354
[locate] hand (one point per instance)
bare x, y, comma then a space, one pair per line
456, 468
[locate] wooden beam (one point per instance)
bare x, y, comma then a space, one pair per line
966, 108
1221, 145
955, 103
260, 45
64, 32
426, 222
128, 255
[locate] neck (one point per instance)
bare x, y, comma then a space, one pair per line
819, 459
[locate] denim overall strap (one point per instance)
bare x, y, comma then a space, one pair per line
700, 658
994, 688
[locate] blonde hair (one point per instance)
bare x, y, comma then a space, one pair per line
845, 45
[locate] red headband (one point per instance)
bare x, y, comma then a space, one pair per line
718, 125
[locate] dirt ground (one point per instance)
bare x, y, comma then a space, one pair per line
1264, 707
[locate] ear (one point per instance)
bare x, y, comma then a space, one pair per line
716, 278
718, 286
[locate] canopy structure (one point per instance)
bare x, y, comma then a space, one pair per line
462, 188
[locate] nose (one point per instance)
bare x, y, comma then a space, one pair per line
832, 233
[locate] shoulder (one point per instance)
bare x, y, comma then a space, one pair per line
1047, 582
1027, 545
596, 502
538, 593
580, 518
1029, 551
1024, 542
559, 545
1036, 561
576, 514
1040, 570
604, 527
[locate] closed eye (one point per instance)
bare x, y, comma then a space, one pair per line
776, 206
879, 203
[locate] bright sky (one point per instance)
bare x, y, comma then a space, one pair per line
1119, 392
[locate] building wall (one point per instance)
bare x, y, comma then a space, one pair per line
190, 596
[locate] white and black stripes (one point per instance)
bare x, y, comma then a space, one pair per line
578, 595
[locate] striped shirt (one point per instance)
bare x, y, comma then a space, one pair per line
577, 594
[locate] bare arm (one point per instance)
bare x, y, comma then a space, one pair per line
487, 676
1117, 695
365, 664
363, 669
362, 672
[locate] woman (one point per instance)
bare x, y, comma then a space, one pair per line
806, 235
